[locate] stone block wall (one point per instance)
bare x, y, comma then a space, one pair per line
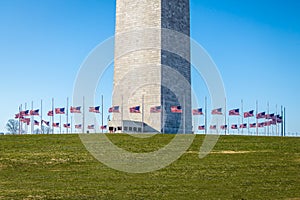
139, 58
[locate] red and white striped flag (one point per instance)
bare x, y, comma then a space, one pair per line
75, 109
217, 111
176, 109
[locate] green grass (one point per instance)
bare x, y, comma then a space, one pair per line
240, 167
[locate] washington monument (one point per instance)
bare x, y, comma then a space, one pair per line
151, 66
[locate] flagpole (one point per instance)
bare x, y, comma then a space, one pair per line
276, 120
20, 107
42, 117
32, 124
26, 126
183, 112
60, 124
248, 127
162, 116
284, 133
67, 115
242, 109
194, 122
52, 115
102, 113
205, 117
71, 124
256, 118
238, 126
143, 114
225, 116
265, 129
83, 113
268, 128
95, 125
228, 126
122, 122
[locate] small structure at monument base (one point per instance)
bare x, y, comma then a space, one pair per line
129, 127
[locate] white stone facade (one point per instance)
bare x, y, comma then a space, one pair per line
140, 78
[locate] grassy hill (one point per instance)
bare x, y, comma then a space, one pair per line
240, 167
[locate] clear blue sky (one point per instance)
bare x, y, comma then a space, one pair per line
255, 44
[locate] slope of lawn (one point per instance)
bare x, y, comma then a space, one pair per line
239, 167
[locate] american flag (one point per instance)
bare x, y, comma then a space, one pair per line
202, 128
249, 114
270, 116
34, 112
223, 127
267, 123
24, 113
94, 109
78, 126
176, 109
103, 127
279, 119
155, 109
75, 109
59, 110
217, 111
234, 112
243, 126
55, 125
273, 122
261, 115
114, 109
197, 111
253, 125
25, 120
50, 113
36, 123
91, 126
67, 125
213, 127
135, 109
234, 126
261, 125
45, 122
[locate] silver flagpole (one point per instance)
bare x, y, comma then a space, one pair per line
83, 113
276, 120
71, 124
102, 113
143, 114
194, 122
225, 116
42, 117
122, 111
284, 133
228, 122
52, 115
248, 125
95, 125
32, 123
205, 117
183, 112
59, 123
162, 116
26, 126
20, 108
256, 117
268, 128
67, 115
239, 126
242, 109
